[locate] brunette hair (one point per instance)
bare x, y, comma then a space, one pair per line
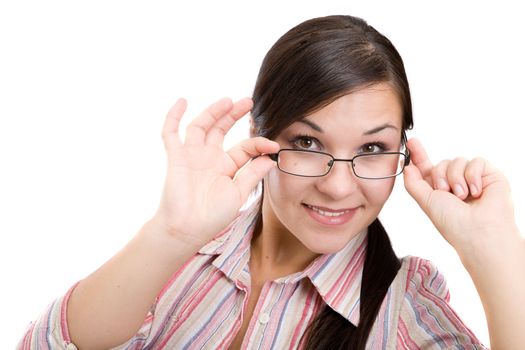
309, 67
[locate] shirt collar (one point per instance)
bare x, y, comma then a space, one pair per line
232, 245
337, 276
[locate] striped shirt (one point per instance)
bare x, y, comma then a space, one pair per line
202, 305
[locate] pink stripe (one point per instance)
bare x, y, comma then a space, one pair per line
257, 311
174, 301
412, 263
356, 262
213, 322
380, 321
403, 338
26, 343
63, 314
229, 337
352, 276
317, 308
42, 331
424, 271
191, 304
227, 229
176, 275
307, 308
447, 312
342, 276
271, 328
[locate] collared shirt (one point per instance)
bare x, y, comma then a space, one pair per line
202, 305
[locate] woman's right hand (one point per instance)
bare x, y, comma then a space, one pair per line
205, 186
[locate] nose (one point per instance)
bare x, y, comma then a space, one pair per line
340, 182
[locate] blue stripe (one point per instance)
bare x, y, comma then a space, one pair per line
271, 307
424, 326
442, 280
135, 341
187, 286
205, 323
228, 316
235, 249
283, 313
49, 327
327, 262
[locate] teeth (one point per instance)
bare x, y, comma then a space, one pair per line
327, 213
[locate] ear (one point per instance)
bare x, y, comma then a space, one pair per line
253, 129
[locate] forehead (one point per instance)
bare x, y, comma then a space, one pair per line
361, 110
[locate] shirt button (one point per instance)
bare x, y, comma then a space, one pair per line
264, 318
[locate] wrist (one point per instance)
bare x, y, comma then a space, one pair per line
167, 242
493, 249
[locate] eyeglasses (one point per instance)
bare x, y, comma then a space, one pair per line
365, 166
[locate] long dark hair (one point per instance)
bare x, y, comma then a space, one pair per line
309, 67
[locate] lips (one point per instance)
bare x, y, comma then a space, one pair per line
328, 216
328, 212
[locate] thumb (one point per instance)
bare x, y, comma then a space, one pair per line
250, 175
417, 187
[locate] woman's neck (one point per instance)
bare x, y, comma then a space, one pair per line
276, 254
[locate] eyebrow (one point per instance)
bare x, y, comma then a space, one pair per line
379, 128
311, 124
369, 132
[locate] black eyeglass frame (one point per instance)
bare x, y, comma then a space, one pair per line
275, 157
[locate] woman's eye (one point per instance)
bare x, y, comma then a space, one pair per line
373, 148
305, 142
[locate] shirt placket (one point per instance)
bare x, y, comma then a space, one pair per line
261, 331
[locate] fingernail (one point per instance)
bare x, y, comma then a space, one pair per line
442, 184
473, 189
458, 190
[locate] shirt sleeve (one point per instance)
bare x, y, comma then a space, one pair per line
426, 319
50, 330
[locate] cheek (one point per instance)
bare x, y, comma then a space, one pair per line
272, 182
378, 191
283, 186
275, 187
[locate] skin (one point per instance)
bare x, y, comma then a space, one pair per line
477, 219
290, 237
108, 307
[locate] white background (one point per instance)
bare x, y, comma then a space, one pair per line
84, 88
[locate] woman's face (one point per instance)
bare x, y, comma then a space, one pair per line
324, 213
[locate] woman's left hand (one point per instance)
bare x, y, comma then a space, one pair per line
468, 201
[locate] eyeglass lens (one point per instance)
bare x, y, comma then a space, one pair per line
305, 163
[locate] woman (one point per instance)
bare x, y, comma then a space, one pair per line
307, 264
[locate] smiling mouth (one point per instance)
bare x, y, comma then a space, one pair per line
328, 212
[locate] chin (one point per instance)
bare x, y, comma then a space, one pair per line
326, 246
330, 241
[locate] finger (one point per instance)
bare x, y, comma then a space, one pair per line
439, 175
249, 176
250, 148
170, 130
456, 177
200, 126
419, 157
473, 173
216, 134
417, 187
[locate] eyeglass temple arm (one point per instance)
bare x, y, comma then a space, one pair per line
272, 156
